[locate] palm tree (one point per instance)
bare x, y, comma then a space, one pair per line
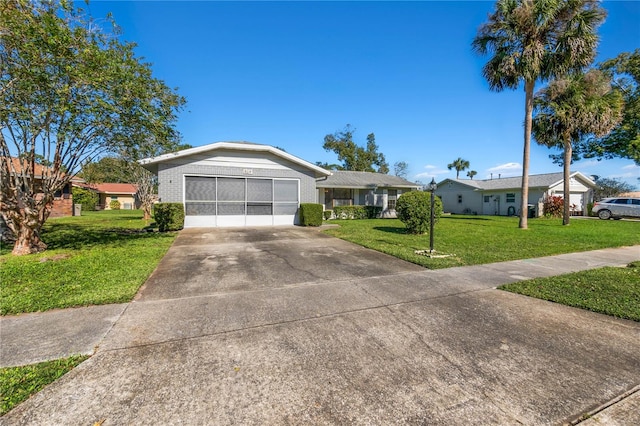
459, 165
571, 109
533, 40
471, 174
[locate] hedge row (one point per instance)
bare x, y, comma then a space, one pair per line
356, 212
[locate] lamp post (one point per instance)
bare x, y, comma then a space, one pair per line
432, 187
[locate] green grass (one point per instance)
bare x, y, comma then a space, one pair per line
97, 258
472, 240
611, 291
18, 383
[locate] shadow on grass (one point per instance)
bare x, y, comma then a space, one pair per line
391, 229
70, 236
463, 218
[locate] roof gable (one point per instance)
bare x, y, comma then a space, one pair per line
151, 164
546, 180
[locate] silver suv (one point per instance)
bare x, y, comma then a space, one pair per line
617, 207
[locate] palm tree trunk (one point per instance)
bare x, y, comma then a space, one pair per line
567, 176
529, 86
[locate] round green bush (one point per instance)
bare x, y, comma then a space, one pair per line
89, 199
114, 205
414, 210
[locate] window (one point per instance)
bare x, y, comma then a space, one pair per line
114, 198
231, 196
621, 201
393, 197
259, 196
511, 197
459, 198
487, 198
200, 196
285, 197
342, 197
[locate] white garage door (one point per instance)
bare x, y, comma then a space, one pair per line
231, 201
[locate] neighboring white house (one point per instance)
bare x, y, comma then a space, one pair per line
503, 196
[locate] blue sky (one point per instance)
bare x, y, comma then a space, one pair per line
289, 73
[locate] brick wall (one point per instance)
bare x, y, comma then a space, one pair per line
62, 206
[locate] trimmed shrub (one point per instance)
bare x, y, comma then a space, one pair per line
169, 216
553, 206
89, 199
414, 210
114, 205
356, 212
373, 211
310, 214
350, 212
327, 214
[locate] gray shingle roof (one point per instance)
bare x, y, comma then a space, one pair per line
535, 181
349, 179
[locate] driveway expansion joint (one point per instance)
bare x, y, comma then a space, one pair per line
612, 402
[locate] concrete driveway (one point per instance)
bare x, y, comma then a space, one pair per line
290, 326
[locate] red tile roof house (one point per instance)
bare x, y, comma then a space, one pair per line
124, 193
63, 200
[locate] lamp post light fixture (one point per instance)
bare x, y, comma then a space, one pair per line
432, 187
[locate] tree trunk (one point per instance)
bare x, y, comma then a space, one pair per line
529, 86
28, 241
567, 176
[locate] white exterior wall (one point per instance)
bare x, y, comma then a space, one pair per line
471, 198
579, 194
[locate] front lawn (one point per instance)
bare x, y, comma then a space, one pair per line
472, 240
97, 258
19, 383
611, 291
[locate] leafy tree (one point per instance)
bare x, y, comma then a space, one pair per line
69, 92
607, 187
414, 210
624, 140
471, 174
107, 169
401, 169
147, 185
85, 197
354, 157
145, 181
570, 109
328, 166
534, 41
459, 164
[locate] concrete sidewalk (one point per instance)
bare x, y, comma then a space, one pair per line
363, 338
36, 337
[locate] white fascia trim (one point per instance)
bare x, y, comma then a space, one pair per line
577, 174
238, 146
